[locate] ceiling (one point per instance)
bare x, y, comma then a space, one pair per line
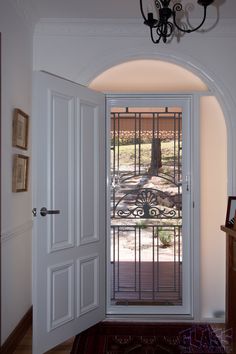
120, 9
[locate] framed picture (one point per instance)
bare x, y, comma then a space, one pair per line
231, 209
20, 129
20, 173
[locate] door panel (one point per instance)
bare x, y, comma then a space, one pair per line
89, 174
60, 280
88, 292
61, 175
69, 176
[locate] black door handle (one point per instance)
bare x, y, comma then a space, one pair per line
44, 211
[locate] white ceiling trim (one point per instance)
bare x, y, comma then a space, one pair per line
91, 27
120, 27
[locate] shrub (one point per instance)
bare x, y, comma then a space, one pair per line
142, 224
165, 238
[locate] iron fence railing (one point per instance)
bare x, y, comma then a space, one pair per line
146, 264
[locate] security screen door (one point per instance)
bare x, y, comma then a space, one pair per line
149, 205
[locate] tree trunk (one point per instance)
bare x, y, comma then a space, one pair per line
155, 157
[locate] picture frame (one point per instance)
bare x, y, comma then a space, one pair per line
20, 129
20, 173
231, 210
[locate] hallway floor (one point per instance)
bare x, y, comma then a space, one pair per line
25, 346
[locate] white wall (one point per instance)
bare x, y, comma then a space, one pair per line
17, 51
81, 50
213, 202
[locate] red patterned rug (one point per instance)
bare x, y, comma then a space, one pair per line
140, 338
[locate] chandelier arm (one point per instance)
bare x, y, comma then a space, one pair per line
152, 38
189, 30
141, 9
163, 30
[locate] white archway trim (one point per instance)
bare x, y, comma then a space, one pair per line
101, 64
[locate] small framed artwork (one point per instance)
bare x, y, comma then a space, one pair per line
20, 129
20, 173
231, 211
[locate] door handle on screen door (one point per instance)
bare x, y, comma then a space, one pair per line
186, 182
44, 211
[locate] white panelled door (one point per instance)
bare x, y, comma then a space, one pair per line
69, 235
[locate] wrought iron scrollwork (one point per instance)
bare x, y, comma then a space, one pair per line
145, 203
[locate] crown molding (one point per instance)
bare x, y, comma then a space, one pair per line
122, 28
89, 27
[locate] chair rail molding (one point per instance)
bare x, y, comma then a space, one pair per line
17, 231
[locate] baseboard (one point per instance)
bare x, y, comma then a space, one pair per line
17, 335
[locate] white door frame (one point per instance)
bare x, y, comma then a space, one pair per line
178, 312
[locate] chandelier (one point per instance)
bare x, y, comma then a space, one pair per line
162, 27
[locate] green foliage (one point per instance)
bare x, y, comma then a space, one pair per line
142, 224
165, 238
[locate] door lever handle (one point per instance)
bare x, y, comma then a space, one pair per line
44, 211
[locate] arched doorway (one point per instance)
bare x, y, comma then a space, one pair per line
210, 164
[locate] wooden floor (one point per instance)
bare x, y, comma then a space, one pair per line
152, 282
25, 347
